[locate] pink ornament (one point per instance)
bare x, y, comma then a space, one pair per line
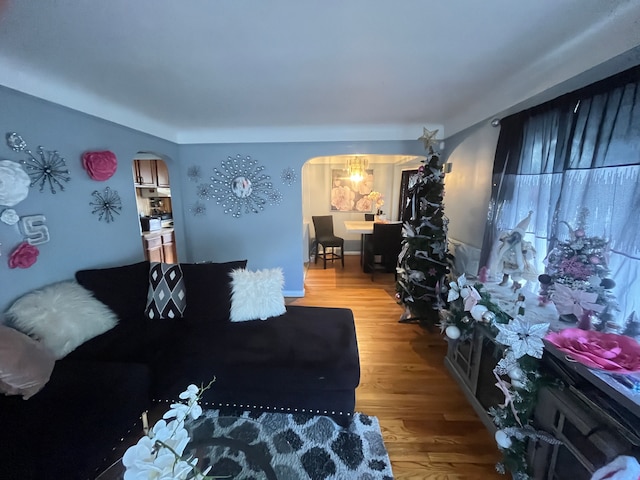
23, 256
579, 233
594, 260
483, 275
100, 165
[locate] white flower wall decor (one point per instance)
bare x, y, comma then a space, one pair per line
14, 183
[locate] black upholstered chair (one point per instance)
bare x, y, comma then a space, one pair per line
323, 225
383, 247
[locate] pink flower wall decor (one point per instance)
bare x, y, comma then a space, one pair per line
23, 256
100, 165
605, 351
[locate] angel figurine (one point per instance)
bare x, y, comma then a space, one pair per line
512, 255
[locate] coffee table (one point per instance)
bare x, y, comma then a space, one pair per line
236, 447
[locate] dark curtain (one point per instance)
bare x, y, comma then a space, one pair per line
581, 150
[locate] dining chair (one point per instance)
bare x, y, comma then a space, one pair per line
383, 248
323, 225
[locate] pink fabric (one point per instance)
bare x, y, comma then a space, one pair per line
100, 165
25, 364
605, 351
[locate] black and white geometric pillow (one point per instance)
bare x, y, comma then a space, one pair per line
167, 294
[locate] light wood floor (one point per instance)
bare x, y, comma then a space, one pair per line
429, 429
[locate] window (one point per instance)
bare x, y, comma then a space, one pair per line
576, 158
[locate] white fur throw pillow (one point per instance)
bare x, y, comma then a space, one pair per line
256, 295
62, 316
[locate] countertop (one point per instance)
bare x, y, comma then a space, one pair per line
154, 233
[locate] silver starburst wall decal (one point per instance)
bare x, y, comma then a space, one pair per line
198, 209
288, 176
194, 173
106, 204
275, 197
204, 191
46, 167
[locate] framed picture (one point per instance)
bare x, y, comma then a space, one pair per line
350, 196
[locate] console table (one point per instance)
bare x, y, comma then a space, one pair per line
594, 415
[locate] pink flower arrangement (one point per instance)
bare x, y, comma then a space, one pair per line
23, 256
100, 165
575, 268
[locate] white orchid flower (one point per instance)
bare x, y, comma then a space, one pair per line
192, 393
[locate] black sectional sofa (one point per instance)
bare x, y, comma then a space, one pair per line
304, 361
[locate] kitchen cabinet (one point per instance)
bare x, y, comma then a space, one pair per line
160, 246
162, 174
169, 248
144, 173
150, 173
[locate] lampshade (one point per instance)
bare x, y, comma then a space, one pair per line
357, 166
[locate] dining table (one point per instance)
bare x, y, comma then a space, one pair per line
364, 228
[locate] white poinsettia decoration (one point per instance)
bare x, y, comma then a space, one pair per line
523, 337
461, 289
160, 453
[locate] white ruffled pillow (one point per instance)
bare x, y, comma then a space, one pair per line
256, 295
62, 316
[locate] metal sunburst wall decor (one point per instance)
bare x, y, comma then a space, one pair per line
288, 176
45, 168
106, 204
204, 191
275, 197
194, 173
198, 209
240, 186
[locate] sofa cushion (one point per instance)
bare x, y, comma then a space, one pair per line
123, 289
167, 297
62, 315
25, 364
208, 288
256, 295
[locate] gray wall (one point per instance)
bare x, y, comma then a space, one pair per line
78, 239
272, 238
468, 186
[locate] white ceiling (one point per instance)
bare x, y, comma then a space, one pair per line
196, 71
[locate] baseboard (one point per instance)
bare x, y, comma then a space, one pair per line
293, 293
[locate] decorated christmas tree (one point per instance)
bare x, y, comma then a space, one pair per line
576, 278
424, 260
